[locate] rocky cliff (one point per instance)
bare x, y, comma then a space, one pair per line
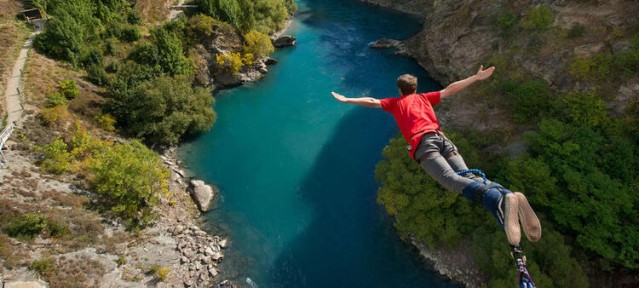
460, 35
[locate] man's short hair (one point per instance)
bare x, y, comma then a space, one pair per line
407, 84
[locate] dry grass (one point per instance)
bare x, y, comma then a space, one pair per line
78, 271
42, 76
9, 9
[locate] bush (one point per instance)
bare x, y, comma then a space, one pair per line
54, 116
55, 157
130, 34
69, 89
97, 75
161, 273
27, 226
506, 21
538, 18
130, 179
106, 122
55, 99
43, 266
231, 61
257, 44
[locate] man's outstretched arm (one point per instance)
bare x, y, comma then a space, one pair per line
362, 101
455, 87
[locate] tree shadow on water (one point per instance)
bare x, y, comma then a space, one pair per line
351, 241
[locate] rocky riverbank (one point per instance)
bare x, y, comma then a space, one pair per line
172, 252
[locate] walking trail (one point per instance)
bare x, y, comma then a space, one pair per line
14, 93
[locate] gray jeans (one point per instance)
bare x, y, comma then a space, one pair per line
432, 149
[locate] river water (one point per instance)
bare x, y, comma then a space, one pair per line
296, 168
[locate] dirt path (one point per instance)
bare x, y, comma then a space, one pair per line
14, 93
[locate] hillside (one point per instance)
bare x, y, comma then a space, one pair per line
83, 202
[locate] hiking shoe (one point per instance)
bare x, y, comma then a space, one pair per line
529, 221
507, 214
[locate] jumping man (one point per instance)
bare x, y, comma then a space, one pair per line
438, 156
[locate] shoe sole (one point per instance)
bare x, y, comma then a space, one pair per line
529, 221
511, 219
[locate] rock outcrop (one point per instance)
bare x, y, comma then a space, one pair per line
458, 36
284, 41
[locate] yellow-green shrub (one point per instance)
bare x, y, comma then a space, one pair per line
55, 115
258, 44
231, 61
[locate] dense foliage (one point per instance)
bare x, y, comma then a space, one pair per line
129, 177
77, 26
266, 16
164, 109
580, 173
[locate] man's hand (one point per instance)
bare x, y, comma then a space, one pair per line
339, 97
483, 74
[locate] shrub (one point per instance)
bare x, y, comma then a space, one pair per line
161, 273
106, 122
133, 17
506, 21
43, 266
130, 34
27, 226
69, 89
257, 44
538, 18
55, 157
97, 75
121, 261
55, 115
200, 26
55, 99
130, 179
231, 61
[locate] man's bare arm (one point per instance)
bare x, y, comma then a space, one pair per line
361, 101
455, 87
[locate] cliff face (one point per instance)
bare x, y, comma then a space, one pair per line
460, 35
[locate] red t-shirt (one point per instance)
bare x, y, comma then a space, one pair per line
414, 115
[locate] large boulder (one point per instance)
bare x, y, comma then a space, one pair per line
284, 41
202, 194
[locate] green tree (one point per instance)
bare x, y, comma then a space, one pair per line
163, 110
130, 178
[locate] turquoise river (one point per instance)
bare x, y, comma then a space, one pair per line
296, 168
